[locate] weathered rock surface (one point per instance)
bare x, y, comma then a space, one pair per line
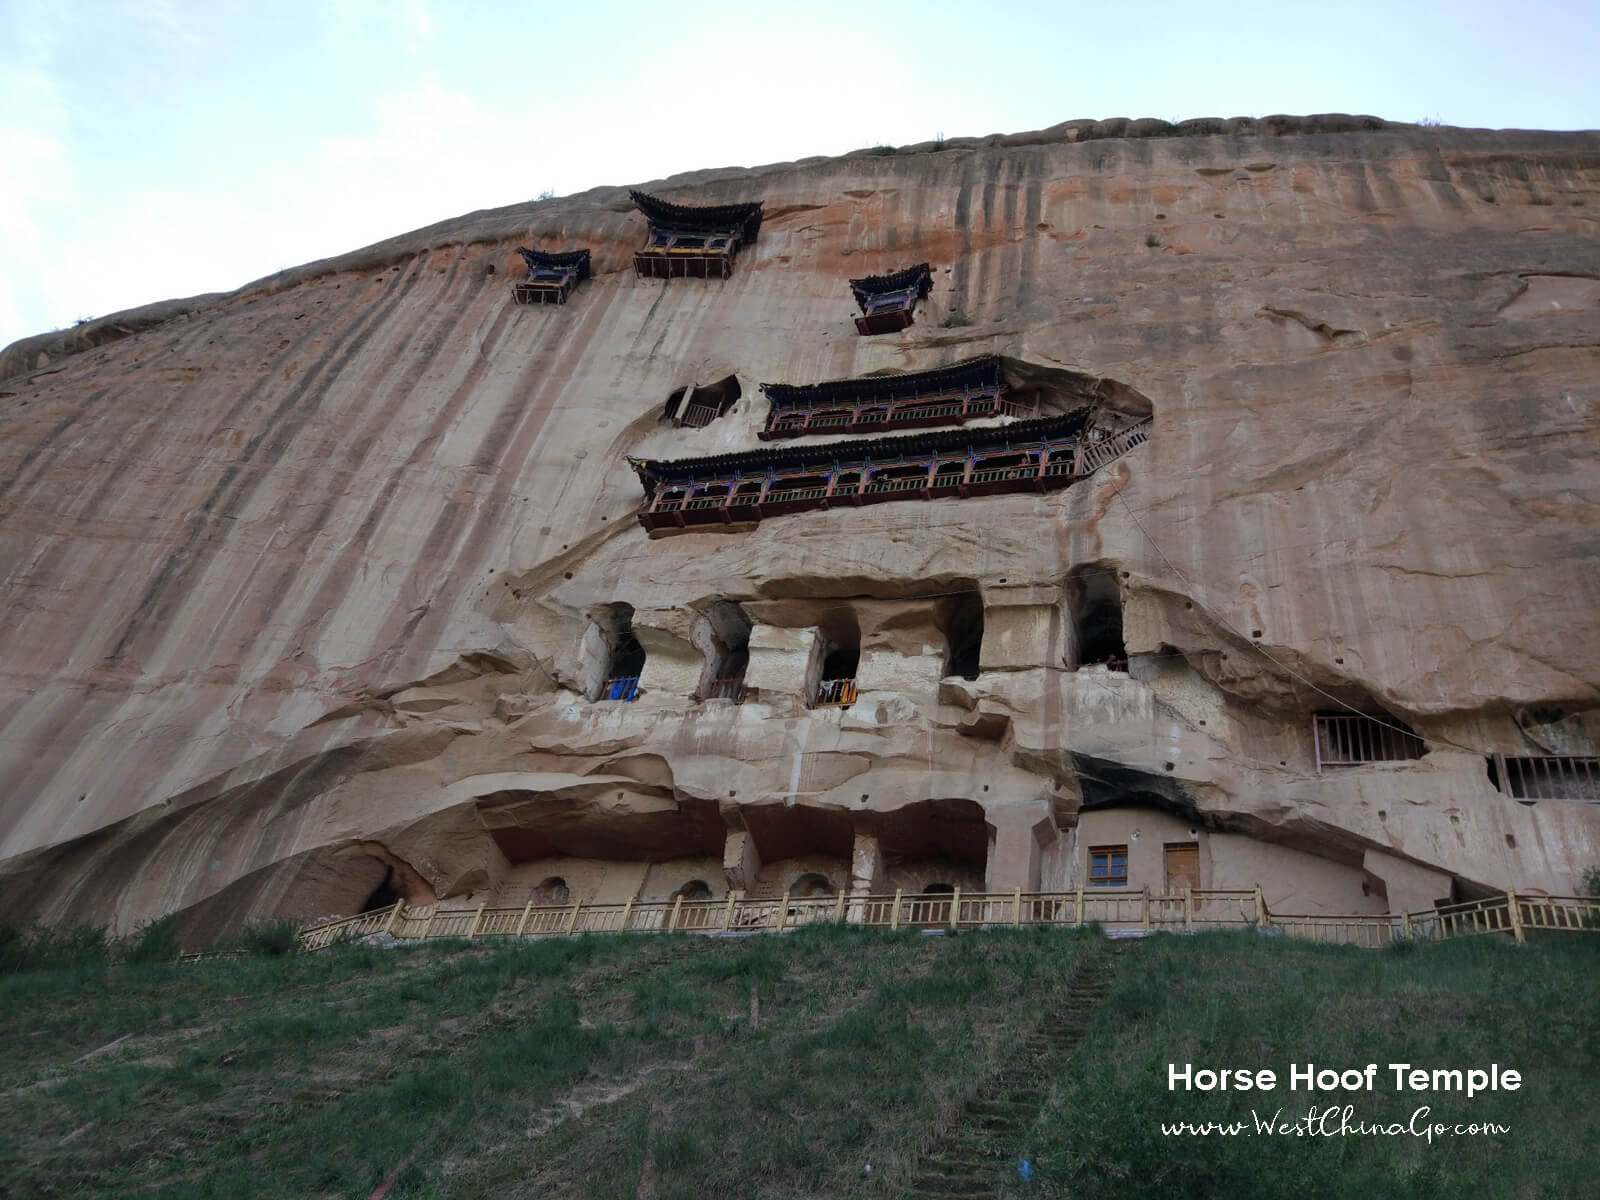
298, 585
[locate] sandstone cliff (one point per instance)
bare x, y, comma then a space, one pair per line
304, 585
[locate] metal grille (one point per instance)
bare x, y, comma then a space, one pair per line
1350, 739
1549, 777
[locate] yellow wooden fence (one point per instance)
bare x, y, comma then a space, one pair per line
1119, 910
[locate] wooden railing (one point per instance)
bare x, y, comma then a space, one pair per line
1115, 910
835, 693
992, 464
1098, 454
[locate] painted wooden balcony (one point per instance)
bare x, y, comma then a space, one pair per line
743, 489
690, 241
888, 302
551, 277
952, 395
875, 416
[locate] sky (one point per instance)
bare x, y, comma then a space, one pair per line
152, 149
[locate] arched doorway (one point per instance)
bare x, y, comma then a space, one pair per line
812, 885
553, 890
696, 911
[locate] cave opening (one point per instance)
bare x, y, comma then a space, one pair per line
722, 634
1094, 609
700, 404
811, 885
835, 658
836, 675
384, 895
960, 619
613, 656
552, 890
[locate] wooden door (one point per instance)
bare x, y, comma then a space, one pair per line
1183, 867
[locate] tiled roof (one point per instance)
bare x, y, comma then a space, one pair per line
918, 276
983, 440
537, 260
973, 372
715, 218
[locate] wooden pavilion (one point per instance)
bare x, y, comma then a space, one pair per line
551, 277
697, 242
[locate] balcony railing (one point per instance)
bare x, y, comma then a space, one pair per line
870, 413
897, 483
1025, 467
813, 493
1000, 474
835, 693
699, 415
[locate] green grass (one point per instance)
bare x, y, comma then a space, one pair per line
627, 1066
1237, 1000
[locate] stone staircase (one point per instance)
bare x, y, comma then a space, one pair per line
988, 1141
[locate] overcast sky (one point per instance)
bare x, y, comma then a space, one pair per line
159, 148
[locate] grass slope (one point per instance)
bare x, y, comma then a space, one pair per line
1238, 1000
627, 1067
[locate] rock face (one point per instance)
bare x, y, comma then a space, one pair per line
307, 589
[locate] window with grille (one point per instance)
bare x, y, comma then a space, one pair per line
1547, 776
1350, 739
